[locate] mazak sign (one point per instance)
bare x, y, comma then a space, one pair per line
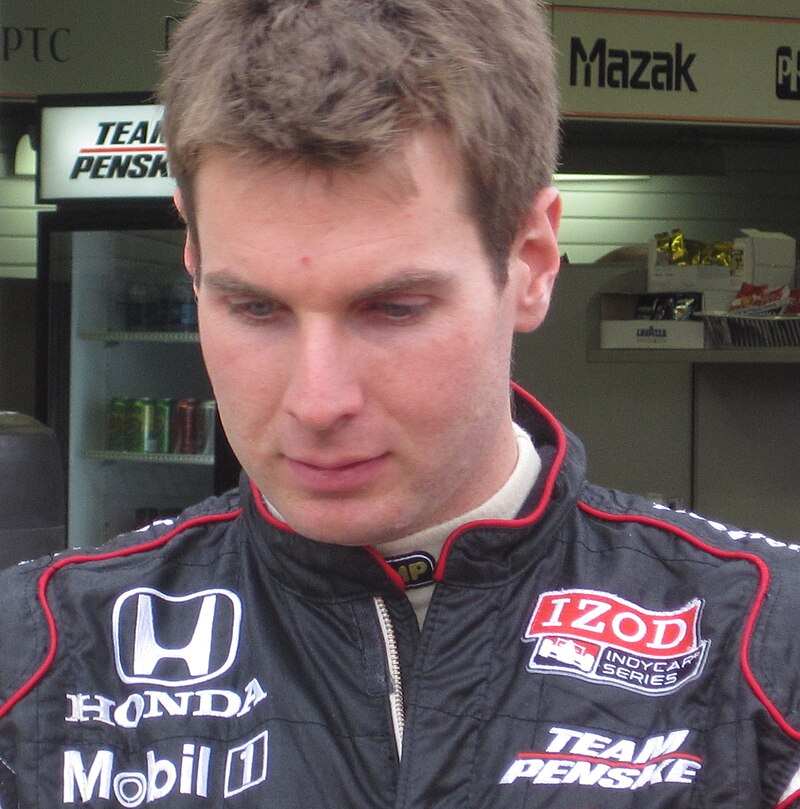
686, 67
103, 152
601, 65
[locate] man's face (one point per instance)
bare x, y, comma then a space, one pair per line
357, 343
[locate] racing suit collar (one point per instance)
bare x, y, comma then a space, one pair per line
476, 554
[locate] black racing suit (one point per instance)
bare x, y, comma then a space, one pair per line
597, 652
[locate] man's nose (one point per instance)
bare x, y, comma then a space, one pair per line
323, 387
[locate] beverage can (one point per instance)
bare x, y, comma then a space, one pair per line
117, 424
208, 410
143, 426
163, 425
185, 439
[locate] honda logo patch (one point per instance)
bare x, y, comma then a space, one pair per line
601, 637
175, 640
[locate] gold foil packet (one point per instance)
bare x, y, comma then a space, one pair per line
677, 245
677, 249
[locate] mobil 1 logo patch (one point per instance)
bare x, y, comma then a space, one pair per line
175, 640
600, 637
180, 773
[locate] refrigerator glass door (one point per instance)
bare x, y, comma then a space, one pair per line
133, 346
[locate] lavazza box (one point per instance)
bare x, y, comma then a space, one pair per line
620, 328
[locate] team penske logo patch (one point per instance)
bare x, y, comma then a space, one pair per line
601, 637
584, 758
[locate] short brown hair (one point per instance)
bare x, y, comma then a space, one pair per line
341, 83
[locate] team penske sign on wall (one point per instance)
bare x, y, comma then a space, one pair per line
103, 152
601, 637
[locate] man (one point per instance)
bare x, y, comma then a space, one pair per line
415, 599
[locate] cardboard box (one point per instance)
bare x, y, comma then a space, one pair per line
759, 257
765, 258
620, 328
698, 278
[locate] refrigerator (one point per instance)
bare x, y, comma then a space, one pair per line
120, 376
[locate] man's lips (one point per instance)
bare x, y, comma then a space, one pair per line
335, 476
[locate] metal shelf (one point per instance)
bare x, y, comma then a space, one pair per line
708, 356
142, 336
149, 457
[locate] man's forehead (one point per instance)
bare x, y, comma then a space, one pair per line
394, 177
314, 221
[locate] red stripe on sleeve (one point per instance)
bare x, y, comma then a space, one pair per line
763, 574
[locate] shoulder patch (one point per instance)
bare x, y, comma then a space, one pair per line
602, 638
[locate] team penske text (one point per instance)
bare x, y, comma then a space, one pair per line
591, 759
123, 149
106, 167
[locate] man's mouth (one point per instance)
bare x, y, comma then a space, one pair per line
337, 475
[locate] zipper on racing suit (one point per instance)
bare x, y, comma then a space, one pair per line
396, 706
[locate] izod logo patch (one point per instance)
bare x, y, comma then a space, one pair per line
601, 637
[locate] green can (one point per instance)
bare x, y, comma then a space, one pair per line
118, 424
163, 425
143, 426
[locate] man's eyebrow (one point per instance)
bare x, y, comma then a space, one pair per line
421, 280
408, 281
224, 282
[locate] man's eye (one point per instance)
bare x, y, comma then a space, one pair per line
254, 310
399, 310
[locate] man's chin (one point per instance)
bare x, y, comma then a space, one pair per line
365, 518
343, 529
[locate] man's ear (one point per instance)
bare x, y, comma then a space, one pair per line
191, 259
534, 261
